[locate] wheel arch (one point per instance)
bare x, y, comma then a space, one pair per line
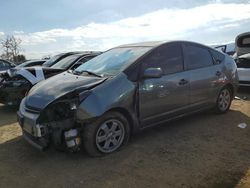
127, 115
230, 86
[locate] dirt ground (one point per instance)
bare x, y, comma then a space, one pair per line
204, 150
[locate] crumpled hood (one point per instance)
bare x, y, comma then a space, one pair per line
57, 86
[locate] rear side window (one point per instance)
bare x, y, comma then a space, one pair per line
243, 41
218, 57
168, 58
197, 57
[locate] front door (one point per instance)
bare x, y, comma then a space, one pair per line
160, 98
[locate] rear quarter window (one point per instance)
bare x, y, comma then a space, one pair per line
217, 56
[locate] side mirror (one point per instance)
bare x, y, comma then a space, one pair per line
152, 73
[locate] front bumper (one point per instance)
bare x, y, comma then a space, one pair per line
36, 143
32, 132
42, 135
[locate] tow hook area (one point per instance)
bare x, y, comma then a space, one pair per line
73, 140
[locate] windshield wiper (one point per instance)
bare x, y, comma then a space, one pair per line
89, 72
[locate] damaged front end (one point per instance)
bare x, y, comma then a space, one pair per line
55, 125
48, 115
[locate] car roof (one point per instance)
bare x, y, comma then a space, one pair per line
7, 61
35, 60
80, 52
155, 44
86, 53
90, 53
30, 62
143, 44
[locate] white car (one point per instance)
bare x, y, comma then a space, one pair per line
242, 58
243, 68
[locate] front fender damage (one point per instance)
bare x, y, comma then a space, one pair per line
57, 120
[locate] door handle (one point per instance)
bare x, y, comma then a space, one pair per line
218, 73
183, 82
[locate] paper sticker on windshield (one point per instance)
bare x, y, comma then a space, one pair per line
30, 77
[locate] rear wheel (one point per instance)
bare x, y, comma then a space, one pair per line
106, 135
224, 100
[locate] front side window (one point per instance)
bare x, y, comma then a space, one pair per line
167, 57
218, 57
197, 57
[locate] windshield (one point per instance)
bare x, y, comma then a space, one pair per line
65, 62
113, 61
51, 61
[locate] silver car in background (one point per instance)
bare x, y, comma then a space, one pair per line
242, 58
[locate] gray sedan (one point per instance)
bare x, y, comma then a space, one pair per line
126, 89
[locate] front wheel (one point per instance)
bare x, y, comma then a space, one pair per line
224, 101
106, 135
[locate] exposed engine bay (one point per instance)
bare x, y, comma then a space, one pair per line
57, 123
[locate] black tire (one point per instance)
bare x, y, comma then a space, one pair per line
220, 107
90, 131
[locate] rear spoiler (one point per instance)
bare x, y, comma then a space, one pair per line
242, 42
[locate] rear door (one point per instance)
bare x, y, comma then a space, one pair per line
160, 98
202, 74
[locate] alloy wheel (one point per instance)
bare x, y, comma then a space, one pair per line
224, 100
110, 136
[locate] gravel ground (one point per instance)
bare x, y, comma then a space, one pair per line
203, 150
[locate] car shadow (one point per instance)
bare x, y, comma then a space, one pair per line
244, 93
202, 150
8, 114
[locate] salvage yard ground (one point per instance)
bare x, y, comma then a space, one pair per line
204, 150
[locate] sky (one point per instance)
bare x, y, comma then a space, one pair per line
48, 27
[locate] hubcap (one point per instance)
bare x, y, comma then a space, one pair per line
110, 135
224, 99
